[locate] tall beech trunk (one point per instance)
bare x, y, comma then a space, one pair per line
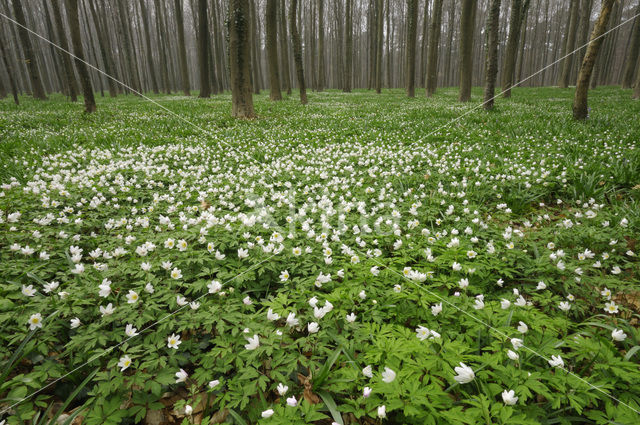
434, 43
580, 109
284, 49
272, 49
378, 44
240, 59
632, 57
182, 48
69, 76
518, 9
410, 67
147, 37
565, 77
9, 68
203, 49
423, 44
104, 47
348, 72
321, 59
297, 50
81, 67
29, 54
467, 26
491, 75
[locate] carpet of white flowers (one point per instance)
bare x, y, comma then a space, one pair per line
330, 264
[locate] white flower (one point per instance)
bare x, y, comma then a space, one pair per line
243, 253
611, 307
272, 316
388, 375
313, 327
35, 321
362, 295
509, 397
522, 327
517, 343
436, 309
254, 342
367, 371
132, 297
181, 301
214, 287
130, 331
291, 320
124, 362
616, 270
173, 341
50, 287
106, 311
479, 304
382, 411
505, 304
292, 402
351, 317
282, 388
176, 273
366, 392
188, 410
520, 302
214, 383
75, 322
556, 361
247, 300
464, 282
284, 276
149, 288
267, 413
541, 286
564, 306
513, 355
464, 374
618, 335
28, 291
181, 376
194, 305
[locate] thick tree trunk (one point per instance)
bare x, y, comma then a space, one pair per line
182, 49
29, 54
491, 75
580, 109
69, 76
297, 50
467, 26
571, 45
412, 23
203, 49
81, 67
240, 59
348, 72
284, 49
632, 57
434, 42
272, 49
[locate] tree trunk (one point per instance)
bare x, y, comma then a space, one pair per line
379, 33
467, 26
412, 23
636, 89
491, 75
29, 54
240, 59
81, 67
66, 59
284, 49
105, 48
423, 44
518, 8
632, 57
297, 50
9, 68
570, 46
182, 49
434, 42
271, 21
203, 49
348, 72
147, 36
447, 66
580, 109
321, 59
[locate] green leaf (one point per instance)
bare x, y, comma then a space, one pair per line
331, 405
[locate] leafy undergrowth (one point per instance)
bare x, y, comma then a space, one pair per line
329, 263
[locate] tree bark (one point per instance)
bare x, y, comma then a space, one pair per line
570, 46
203, 49
29, 54
423, 44
271, 21
240, 59
379, 30
147, 36
321, 58
632, 57
297, 50
182, 52
348, 72
284, 49
493, 22
9, 68
518, 9
580, 109
636, 89
467, 25
66, 59
81, 67
434, 42
412, 20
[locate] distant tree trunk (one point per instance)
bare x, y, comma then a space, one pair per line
284, 48
583, 32
632, 57
580, 109
297, 50
493, 22
467, 26
254, 43
182, 48
434, 42
423, 44
412, 20
523, 42
636, 88
129, 66
147, 36
240, 59
348, 72
379, 33
390, 36
518, 9
203, 49
272, 49
162, 46
448, 77
321, 59
10, 71
81, 67
571, 44
69, 76
104, 47
29, 54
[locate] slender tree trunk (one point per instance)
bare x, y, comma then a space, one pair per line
632, 56
255, 62
379, 33
321, 58
182, 48
284, 49
583, 32
271, 21
518, 8
636, 88
147, 36
81, 67
434, 43
203, 49
104, 47
580, 109
448, 77
239, 59
348, 72
66, 59
412, 23
467, 26
9, 68
570, 46
297, 50
423, 44
493, 22
523, 42
29, 54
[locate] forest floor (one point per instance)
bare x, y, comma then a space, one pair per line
332, 263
